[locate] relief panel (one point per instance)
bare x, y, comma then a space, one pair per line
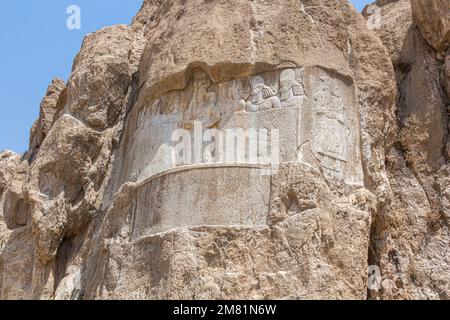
329, 137
315, 116
201, 197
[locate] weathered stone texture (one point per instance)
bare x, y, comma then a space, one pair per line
433, 19
409, 239
101, 208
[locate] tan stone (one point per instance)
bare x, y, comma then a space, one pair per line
100, 207
409, 235
50, 111
8, 164
433, 19
394, 18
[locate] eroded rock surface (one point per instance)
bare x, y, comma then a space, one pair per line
335, 170
410, 237
433, 19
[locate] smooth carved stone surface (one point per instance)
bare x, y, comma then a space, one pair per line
433, 19
183, 199
329, 130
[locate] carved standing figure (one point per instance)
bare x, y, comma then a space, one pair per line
262, 96
202, 106
291, 91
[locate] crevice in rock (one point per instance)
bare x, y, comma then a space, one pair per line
61, 260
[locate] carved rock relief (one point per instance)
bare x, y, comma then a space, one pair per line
313, 110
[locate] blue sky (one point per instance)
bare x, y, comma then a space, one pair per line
36, 46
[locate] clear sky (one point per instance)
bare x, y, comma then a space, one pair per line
36, 46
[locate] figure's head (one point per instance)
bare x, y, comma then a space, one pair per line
287, 80
241, 91
287, 75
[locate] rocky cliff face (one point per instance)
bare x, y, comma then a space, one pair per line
412, 236
100, 207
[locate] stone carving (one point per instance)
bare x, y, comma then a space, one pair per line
129, 226
262, 96
291, 91
333, 134
330, 133
238, 94
324, 123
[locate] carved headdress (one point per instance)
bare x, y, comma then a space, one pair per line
258, 81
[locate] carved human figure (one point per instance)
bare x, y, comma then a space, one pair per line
203, 105
291, 91
332, 136
262, 96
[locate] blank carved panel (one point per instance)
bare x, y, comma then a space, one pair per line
236, 196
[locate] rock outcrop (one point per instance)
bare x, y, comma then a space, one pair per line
237, 150
413, 233
433, 20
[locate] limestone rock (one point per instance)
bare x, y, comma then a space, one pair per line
394, 22
446, 74
433, 19
8, 164
293, 228
56, 191
101, 75
408, 238
50, 111
16, 210
237, 150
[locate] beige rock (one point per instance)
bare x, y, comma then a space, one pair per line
418, 76
8, 165
102, 73
50, 109
16, 209
16, 258
446, 74
409, 237
433, 19
394, 23
57, 191
102, 207
158, 244
424, 128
